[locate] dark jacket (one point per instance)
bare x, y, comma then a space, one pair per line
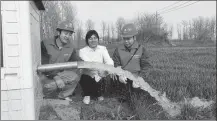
139, 63
52, 54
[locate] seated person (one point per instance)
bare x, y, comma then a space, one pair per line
90, 80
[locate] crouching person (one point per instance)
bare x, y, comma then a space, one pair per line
130, 56
90, 81
59, 50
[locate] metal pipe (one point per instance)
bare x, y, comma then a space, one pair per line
57, 66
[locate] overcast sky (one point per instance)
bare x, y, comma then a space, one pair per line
109, 11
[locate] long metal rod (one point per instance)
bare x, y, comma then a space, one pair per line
57, 66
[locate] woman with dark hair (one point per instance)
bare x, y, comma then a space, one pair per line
90, 80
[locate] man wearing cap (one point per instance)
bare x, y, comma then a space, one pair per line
59, 50
130, 56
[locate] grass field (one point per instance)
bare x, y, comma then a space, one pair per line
184, 73
181, 73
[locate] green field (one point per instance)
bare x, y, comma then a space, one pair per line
181, 73
184, 72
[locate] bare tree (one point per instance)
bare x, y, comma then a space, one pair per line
190, 30
199, 28
185, 30
112, 31
108, 34
68, 11
179, 31
79, 34
213, 28
170, 31
49, 19
150, 27
103, 25
119, 24
54, 14
89, 25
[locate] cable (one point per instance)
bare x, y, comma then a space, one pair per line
175, 7
180, 7
169, 5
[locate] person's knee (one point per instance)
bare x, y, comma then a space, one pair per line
75, 78
49, 84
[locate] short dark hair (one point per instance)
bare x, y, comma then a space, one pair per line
89, 34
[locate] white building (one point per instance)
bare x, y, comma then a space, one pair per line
21, 94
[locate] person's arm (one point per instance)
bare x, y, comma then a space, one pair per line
49, 51
116, 58
106, 57
44, 54
117, 63
144, 63
75, 56
45, 57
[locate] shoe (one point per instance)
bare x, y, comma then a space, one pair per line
65, 98
86, 100
101, 98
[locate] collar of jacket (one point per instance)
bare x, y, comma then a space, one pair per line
54, 43
134, 46
91, 49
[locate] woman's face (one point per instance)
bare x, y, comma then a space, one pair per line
93, 41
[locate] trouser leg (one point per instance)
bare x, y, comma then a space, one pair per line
119, 89
67, 90
49, 87
88, 85
70, 79
100, 87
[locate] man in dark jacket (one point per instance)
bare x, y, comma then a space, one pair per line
59, 50
130, 56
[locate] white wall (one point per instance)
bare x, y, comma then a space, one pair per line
20, 92
11, 99
36, 54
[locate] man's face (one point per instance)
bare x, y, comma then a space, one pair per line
128, 41
65, 36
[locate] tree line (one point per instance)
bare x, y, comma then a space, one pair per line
151, 27
199, 29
